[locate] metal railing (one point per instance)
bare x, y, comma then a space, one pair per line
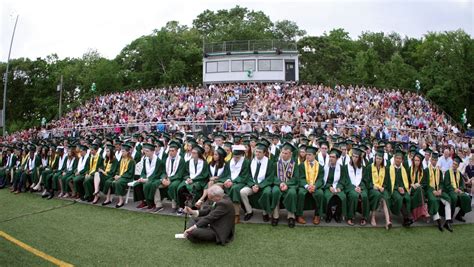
210, 126
249, 45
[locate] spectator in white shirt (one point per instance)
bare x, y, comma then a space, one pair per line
445, 162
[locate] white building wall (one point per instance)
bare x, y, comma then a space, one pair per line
220, 69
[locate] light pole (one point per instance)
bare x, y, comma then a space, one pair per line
6, 81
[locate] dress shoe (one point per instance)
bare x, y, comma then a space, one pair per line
141, 205
350, 222
316, 220
460, 218
266, 218
274, 222
44, 195
440, 226
291, 222
447, 226
157, 209
248, 216
300, 220
106, 203
50, 196
118, 206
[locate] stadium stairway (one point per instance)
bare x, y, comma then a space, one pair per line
235, 112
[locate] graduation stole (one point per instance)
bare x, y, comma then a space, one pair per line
404, 177
311, 172
414, 175
70, 163
235, 167
194, 172
150, 165
61, 161
262, 171
44, 162
123, 165
24, 159
82, 163
355, 174
108, 166
321, 159
93, 163
52, 160
169, 171
31, 163
213, 170
285, 174
228, 157
454, 178
434, 177
378, 176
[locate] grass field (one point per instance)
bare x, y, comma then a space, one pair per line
86, 235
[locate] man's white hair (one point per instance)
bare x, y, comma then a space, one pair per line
215, 190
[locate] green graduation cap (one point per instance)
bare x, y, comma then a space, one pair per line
83, 147
221, 152
95, 146
261, 146
435, 155
418, 155
288, 146
198, 149
457, 159
127, 146
174, 144
302, 148
323, 142
159, 143
336, 152
149, 146
228, 144
380, 152
311, 150
357, 151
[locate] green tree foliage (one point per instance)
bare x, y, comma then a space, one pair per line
443, 62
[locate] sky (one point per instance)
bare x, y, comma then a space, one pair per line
69, 28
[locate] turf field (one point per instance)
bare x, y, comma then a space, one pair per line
86, 235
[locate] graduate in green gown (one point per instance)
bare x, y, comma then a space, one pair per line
310, 182
82, 169
95, 163
236, 175
70, 166
259, 184
400, 185
356, 188
285, 185
216, 171
7, 167
378, 183
195, 178
30, 174
418, 185
459, 198
118, 183
19, 169
175, 170
334, 182
105, 173
53, 166
150, 180
437, 193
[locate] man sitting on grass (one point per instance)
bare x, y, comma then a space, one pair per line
214, 223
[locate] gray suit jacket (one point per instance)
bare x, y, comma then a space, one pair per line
219, 219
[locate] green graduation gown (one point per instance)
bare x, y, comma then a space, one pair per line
175, 177
264, 193
92, 170
461, 199
289, 176
317, 195
355, 177
126, 171
436, 181
239, 181
375, 195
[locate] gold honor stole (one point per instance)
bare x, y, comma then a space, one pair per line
52, 160
434, 177
413, 176
108, 166
24, 159
311, 172
454, 179
123, 166
93, 163
378, 176
404, 177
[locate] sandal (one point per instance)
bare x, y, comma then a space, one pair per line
349, 222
